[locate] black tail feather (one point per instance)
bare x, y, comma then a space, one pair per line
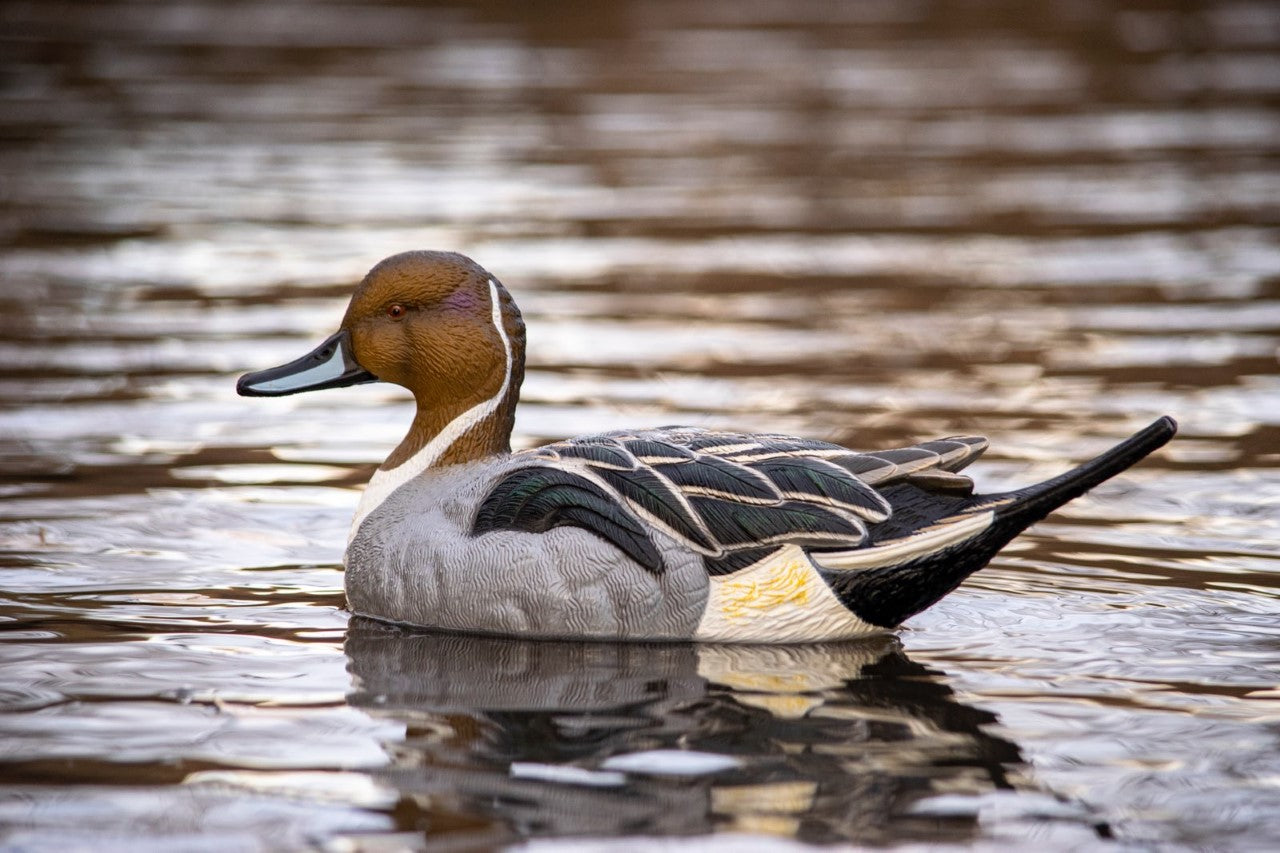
1028, 505
889, 594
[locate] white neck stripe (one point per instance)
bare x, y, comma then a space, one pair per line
384, 482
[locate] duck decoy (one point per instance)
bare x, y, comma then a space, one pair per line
674, 533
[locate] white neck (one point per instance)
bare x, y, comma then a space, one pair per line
385, 481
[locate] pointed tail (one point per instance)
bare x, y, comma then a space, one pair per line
903, 581
1028, 505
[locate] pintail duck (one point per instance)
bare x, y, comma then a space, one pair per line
676, 533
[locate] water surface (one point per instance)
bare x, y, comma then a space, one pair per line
870, 223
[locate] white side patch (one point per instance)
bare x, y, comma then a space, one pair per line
781, 599
383, 483
916, 545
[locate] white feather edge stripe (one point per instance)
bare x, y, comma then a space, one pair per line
917, 545
383, 483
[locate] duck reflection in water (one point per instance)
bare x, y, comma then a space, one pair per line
827, 742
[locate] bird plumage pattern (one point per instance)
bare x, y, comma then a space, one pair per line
672, 533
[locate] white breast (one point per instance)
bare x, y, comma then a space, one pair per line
384, 482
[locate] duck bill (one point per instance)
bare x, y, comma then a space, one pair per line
329, 365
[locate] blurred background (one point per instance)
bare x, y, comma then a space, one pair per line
870, 222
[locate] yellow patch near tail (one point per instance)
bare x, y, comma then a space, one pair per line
781, 599
786, 582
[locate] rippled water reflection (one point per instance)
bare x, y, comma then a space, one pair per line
824, 743
867, 222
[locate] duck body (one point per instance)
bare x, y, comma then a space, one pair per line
675, 533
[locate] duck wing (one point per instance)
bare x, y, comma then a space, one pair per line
731, 497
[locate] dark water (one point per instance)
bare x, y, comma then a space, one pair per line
870, 223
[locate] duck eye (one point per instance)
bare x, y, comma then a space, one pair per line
395, 311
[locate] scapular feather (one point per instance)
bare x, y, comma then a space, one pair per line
658, 452
949, 450
808, 479
658, 497
769, 447
868, 469
738, 525
710, 475
907, 459
599, 454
